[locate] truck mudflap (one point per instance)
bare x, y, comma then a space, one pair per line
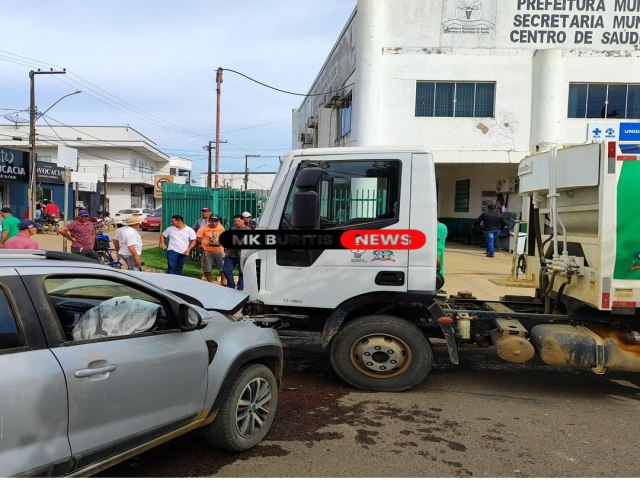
595, 347
448, 331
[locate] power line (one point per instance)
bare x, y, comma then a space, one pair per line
285, 91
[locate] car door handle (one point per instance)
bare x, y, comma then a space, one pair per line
88, 372
393, 279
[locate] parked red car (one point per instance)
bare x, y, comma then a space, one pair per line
153, 221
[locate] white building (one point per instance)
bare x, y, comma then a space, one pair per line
236, 180
480, 83
129, 160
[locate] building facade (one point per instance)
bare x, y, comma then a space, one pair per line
479, 83
120, 160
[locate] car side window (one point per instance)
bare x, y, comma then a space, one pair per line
90, 308
9, 334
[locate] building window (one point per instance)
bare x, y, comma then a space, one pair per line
344, 118
455, 99
602, 100
462, 195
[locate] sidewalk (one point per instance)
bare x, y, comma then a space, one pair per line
466, 267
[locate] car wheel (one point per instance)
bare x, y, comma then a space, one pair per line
247, 412
144, 229
382, 353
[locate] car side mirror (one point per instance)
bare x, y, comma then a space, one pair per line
305, 214
189, 318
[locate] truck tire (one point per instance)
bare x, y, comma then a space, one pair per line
247, 411
382, 353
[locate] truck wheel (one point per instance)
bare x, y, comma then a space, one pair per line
381, 352
247, 411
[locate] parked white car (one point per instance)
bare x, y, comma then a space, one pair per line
122, 215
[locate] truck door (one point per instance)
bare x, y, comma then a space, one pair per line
361, 191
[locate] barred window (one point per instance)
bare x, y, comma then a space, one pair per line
455, 99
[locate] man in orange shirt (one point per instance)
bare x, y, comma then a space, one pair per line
212, 251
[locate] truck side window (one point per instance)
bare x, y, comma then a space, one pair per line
355, 193
9, 336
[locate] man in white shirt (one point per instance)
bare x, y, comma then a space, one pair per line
128, 243
181, 239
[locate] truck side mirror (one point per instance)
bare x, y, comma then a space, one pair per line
306, 201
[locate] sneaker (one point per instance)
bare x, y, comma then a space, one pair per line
490, 255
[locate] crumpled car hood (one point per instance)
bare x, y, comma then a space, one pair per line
198, 292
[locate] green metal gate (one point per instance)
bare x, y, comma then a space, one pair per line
188, 201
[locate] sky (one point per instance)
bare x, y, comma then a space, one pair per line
152, 65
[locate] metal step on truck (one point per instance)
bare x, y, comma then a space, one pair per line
376, 311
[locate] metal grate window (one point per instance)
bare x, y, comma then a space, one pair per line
463, 188
455, 99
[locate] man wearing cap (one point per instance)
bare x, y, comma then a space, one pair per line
128, 243
201, 222
82, 234
212, 252
9, 225
246, 216
23, 240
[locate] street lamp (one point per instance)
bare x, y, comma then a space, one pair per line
56, 102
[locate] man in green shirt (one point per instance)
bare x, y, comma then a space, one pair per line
9, 225
442, 236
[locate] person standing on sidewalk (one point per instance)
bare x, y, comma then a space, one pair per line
492, 224
9, 225
128, 243
178, 240
202, 221
212, 251
82, 234
23, 240
232, 257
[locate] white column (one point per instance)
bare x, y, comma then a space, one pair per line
548, 99
369, 34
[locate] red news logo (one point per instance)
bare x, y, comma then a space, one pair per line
388, 239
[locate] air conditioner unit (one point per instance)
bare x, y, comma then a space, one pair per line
506, 186
306, 138
312, 122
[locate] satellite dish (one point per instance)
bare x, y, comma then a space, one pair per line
15, 118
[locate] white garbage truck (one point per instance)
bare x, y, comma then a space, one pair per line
377, 311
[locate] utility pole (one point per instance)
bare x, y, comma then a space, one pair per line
104, 189
246, 169
210, 147
218, 83
31, 200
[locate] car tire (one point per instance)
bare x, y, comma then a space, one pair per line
144, 229
382, 353
247, 412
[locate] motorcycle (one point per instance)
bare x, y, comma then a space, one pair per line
50, 223
103, 222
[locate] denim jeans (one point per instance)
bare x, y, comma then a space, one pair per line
175, 262
229, 264
491, 236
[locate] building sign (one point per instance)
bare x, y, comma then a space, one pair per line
602, 131
629, 132
14, 166
469, 16
535, 24
157, 184
47, 172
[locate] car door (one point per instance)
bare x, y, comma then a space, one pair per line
33, 393
124, 390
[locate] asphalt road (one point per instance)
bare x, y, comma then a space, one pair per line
481, 418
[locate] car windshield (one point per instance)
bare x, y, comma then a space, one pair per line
156, 213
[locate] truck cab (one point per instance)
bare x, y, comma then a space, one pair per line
354, 188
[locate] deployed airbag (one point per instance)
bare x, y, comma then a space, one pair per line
115, 317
